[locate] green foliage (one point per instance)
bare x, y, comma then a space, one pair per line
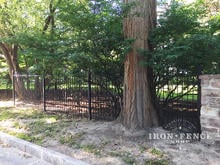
157, 152
81, 35
157, 162
38, 126
184, 39
91, 148
94, 34
127, 157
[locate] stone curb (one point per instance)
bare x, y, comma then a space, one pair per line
42, 153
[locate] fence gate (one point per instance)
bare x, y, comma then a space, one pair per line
81, 96
178, 100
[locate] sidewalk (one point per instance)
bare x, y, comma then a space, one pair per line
13, 156
14, 151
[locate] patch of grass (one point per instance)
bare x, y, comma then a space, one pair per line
71, 139
143, 149
26, 136
35, 139
37, 124
157, 162
125, 156
12, 113
186, 97
40, 126
6, 115
156, 152
91, 148
18, 125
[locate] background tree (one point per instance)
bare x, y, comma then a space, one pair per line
24, 41
94, 39
54, 37
186, 39
13, 20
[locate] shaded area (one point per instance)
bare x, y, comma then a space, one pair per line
178, 99
85, 96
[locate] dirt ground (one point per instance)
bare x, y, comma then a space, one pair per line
109, 143
116, 144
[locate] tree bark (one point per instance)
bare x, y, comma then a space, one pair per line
138, 109
10, 53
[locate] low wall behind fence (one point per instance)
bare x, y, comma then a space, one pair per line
210, 108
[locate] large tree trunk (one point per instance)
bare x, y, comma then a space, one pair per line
138, 109
10, 53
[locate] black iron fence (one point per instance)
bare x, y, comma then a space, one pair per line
177, 96
27, 88
84, 95
5, 87
178, 100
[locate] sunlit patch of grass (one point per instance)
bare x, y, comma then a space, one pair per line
32, 125
24, 136
6, 114
71, 139
31, 138
159, 157
51, 120
125, 156
156, 152
12, 113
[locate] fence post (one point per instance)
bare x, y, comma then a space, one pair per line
13, 86
43, 93
89, 95
199, 99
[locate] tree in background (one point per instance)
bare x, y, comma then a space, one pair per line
54, 37
26, 39
93, 37
186, 39
13, 20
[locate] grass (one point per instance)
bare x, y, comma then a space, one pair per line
157, 152
92, 148
10, 113
36, 126
186, 97
125, 156
71, 139
31, 125
157, 162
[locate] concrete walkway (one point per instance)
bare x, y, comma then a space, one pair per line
14, 151
13, 156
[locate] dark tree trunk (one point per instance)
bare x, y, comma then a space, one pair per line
10, 53
138, 109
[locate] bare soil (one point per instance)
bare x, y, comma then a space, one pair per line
116, 144
110, 143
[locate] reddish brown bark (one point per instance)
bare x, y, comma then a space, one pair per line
138, 110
